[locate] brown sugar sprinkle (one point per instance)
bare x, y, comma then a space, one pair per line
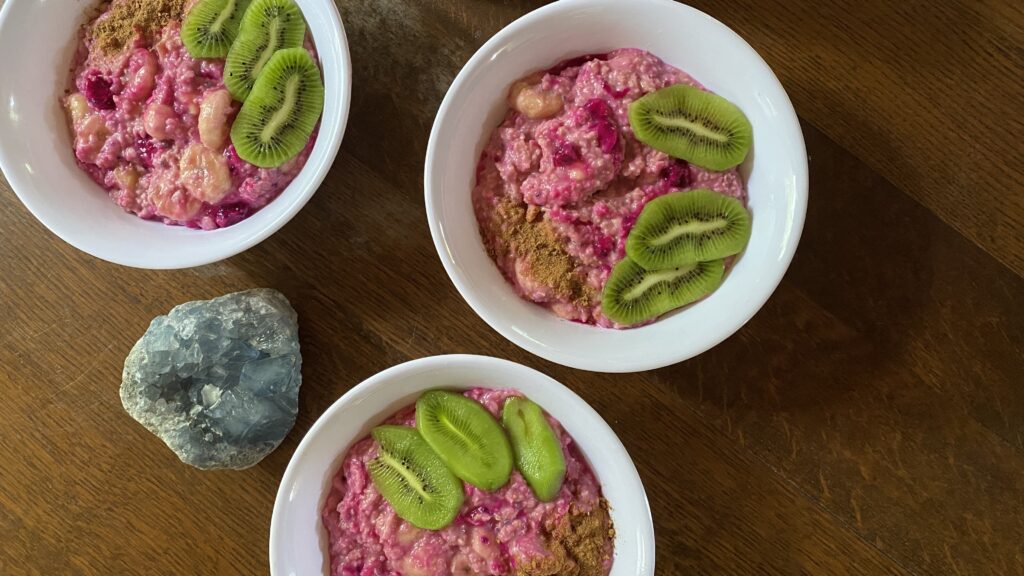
577, 546
115, 29
531, 237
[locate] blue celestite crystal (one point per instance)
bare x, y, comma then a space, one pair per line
218, 380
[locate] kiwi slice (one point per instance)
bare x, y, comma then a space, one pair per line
538, 453
277, 119
467, 437
633, 295
211, 26
685, 227
697, 126
413, 479
267, 26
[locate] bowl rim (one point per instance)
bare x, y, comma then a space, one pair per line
319, 165
642, 361
370, 387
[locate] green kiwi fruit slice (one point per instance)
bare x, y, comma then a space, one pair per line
633, 295
685, 227
697, 126
467, 437
538, 453
413, 479
277, 119
267, 26
211, 26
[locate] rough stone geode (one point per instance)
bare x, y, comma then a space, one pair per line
218, 380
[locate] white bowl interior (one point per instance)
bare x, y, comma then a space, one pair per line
686, 38
298, 542
36, 151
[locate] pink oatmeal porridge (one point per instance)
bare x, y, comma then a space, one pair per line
562, 180
505, 532
151, 125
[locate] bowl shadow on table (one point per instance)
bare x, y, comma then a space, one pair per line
831, 339
850, 301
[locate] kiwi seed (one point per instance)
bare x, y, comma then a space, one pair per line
633, 295
279, 116
697, 126
685, 227
267, 27
210, 27
413, 479
467, 437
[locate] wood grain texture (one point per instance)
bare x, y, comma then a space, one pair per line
929, 94
869, 420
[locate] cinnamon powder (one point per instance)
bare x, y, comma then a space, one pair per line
114, 30
579, 545
532, 239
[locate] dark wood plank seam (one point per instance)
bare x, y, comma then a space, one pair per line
796, 488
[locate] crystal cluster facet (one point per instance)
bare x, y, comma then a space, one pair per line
218, 380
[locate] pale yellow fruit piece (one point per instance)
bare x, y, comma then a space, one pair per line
204, 173
156, 121
411, 567
90, 137
174, 203
127, 177
213, 119
483, 542
409, 534
77, 107
533, 101
461, 566
141, 85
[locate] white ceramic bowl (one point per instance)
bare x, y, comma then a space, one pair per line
686, 38
298, 542
38, 40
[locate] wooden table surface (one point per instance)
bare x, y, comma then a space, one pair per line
869, 420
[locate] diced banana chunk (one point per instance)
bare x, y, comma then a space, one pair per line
213, 118
483, 542
174, 203
78, 107
158, 120
533, 101
127, 177
204, 173
90, 137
